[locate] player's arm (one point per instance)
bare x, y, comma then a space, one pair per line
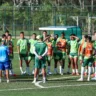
46, 38
46, 50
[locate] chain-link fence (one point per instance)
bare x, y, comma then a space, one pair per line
29, 19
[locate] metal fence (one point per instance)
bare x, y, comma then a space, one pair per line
29, 19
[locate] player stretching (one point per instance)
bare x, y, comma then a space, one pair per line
4, 60
49, 55
22, 47
31, 56
88, 58
40, 51
61, 46
74, 54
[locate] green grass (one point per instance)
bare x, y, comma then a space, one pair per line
65, 85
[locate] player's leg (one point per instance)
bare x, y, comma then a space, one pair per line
76, 64
7, 66
1, 68
85, 62
69, 65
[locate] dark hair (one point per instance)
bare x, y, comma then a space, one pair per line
34, 34
21, 32
6, 31
72, 35
45, 31
94, 32
85, 36
9, 35
3, 35
89, 38
63, 33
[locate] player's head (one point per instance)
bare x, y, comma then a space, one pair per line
3, 37
62, 35
72, 36
39, 37
9, 36
89, 39
34, 36
22, 35
85, 37
44, 33
6, 32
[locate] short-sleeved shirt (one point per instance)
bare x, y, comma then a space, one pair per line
23, 44
32, 42
40, 47
4, 53
73, 46
62, 44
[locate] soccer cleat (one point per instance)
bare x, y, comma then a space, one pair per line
88, 79
73, 73
44, 80
77, 74
34, 81
80, 79
7, 80
94, 78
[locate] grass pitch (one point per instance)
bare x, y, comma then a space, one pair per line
56, 85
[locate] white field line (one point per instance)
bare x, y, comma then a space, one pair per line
22, 89
38, 84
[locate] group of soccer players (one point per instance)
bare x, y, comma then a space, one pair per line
41, 49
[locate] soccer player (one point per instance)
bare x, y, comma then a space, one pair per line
61, 51
44, 35
49, 54
40, 51
81, 44
31, 56
94, 45
4, 60
55, 53
22, 47
88, 58
10, 45
74, 53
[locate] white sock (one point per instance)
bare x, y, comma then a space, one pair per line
34, 79
89, 72
60, 69
86, 71
76, 70
11, 72
73, 70
21, 69
82, 72
95, 71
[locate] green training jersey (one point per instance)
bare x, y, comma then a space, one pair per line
73, 46
94, 44
23, 44
32, 42
40, 48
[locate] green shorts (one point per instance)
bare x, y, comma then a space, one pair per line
40, 63
31, 57
23, 56
48, 58
60, 55
88, 62
73, 55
